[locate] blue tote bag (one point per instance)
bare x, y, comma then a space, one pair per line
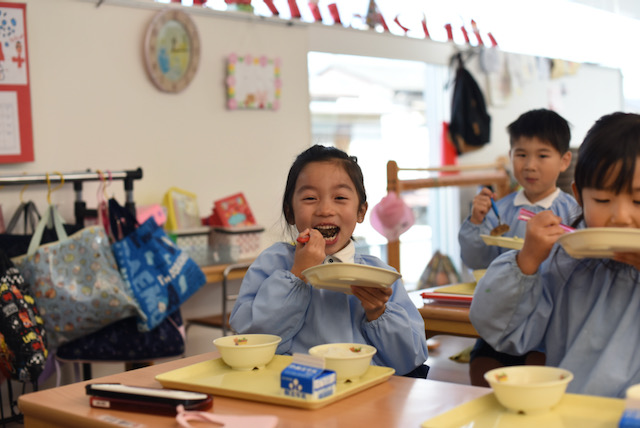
160, 274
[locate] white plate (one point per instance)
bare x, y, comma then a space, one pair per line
600, 242
341, 276
501, 241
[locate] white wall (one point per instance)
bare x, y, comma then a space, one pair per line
94, 106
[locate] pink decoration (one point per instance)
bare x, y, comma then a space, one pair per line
465, 34
397, 21
477, 33
449, 32
293, 6
493, 41
313, 5
391, 217
424, 27
232, 104
333, 9
272, 7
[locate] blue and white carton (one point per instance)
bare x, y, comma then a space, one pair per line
307, 378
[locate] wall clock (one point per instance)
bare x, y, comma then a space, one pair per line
172, 50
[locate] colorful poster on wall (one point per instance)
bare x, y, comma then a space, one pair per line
253, 82
16, 132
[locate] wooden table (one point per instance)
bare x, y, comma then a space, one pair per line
399, 402
443, 318
215, 273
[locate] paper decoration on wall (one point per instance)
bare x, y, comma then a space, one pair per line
253, 82
16, 131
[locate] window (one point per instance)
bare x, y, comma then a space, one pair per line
379, 110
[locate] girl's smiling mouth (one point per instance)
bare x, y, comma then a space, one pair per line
329, 232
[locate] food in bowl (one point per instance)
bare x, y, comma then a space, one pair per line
529, 389
247, 351
349, 360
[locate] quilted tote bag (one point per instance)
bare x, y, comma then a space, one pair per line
160, 274
75, 281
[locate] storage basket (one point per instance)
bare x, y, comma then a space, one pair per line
195, 243
232, 244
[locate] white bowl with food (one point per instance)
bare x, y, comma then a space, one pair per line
247, 351
349, 360
529, 389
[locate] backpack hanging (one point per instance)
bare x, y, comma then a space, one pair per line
470, 125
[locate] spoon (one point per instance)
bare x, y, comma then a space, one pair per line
526, 215
501, 228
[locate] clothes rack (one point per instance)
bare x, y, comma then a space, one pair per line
81, 212
78, 178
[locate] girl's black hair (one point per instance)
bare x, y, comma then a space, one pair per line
318, 153
546, 125
613, 140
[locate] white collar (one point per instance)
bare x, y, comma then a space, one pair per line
346, 255
545, 203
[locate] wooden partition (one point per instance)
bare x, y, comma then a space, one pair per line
491, 174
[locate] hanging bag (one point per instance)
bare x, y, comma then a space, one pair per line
470, 126
24, 351
16, 244
122, 341
160, 274
75, 281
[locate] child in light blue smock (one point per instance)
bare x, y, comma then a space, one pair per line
324, 199
584, 312
539, 152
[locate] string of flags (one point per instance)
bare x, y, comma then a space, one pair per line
373, 20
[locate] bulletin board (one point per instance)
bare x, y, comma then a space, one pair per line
253, 82
16, 131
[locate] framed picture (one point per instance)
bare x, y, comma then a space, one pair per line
253, 82
172, 50
16, 129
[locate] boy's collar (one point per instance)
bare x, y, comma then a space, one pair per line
545, 203
346, 255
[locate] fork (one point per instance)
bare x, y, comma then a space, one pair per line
526, 215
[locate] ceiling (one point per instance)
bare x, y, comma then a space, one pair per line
627, 8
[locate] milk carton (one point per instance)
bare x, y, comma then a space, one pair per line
307, 378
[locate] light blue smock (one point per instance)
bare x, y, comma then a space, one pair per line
477, 255
584, 312
273, 300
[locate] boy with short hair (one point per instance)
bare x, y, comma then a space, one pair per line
539, 152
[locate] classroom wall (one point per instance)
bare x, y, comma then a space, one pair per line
94, 106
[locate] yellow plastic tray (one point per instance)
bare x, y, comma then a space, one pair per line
584, 411
215, 377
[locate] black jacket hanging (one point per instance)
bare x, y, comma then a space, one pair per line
470, 125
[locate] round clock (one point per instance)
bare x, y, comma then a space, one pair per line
172, 50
